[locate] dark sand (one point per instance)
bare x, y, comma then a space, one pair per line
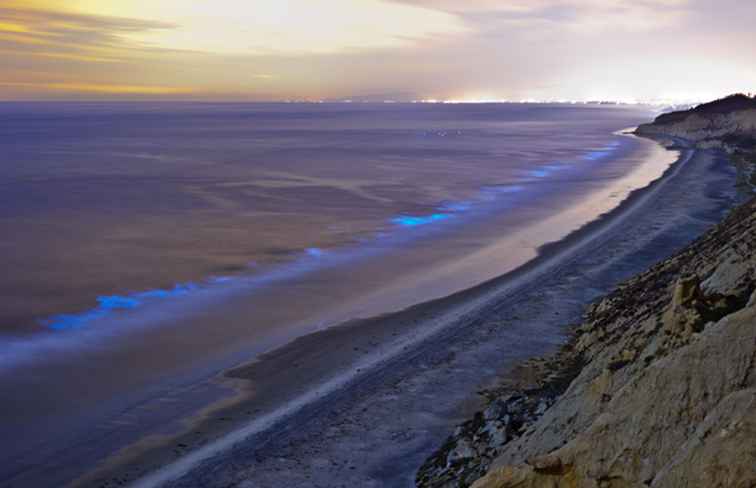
365, 403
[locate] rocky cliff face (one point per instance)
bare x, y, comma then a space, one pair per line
662, 390
729, 123
667, 395
657, 387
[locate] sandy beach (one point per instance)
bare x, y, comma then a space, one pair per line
366, 402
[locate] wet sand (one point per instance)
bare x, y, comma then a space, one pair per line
364, 403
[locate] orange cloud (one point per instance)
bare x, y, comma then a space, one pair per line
10, 27
241, 27
21, 38
59, 55
305, 49
100, 89
72, 30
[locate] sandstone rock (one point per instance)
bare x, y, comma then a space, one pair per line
664, 394
728, 124
686, 291
707, 388
547, 464
707, 131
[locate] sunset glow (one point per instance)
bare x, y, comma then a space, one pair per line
375, 49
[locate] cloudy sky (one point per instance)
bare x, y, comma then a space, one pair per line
376, 49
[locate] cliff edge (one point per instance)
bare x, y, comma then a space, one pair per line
657, 387
728, 124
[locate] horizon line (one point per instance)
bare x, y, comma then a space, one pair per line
366, 102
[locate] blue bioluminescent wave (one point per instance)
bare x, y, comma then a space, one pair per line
311, 257
107, 304
455, 207
595, 155
220, 279
315, 252
494, 193
601, 152
418, 220
540, 173
445, 212
547, 170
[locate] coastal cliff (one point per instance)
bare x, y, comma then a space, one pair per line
657, 386
728, 124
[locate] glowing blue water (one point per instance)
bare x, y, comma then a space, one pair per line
456, 206
418, 220
107, 304
315, 252
602, 152
110, 304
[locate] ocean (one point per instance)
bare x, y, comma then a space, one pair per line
145, 245
108, 206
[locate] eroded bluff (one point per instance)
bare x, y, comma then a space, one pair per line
656, 389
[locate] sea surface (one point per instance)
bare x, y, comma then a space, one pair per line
104, 207
145, 245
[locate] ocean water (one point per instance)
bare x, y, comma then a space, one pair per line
104, 206
141, 243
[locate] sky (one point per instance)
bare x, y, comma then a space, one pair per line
377, 50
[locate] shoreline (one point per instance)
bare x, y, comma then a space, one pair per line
154, 378
379, 335
292, 237
679, 332
508, 435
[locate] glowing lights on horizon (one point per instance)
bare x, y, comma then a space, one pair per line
681, 102
561, 101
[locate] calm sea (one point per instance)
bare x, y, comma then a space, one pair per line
106, 207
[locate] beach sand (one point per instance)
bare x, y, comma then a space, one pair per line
363, 404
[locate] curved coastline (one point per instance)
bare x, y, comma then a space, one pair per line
90, 421
135, 310
419, 329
